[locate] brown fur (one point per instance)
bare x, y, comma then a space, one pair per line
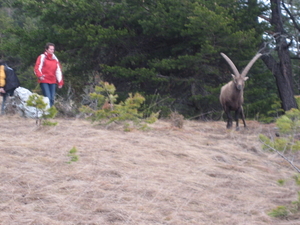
231, 96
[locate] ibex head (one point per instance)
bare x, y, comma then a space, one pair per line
240, 78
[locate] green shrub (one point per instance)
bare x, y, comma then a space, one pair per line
272, 114
288, 127
106, 110
287, 146
37, 101
290, 122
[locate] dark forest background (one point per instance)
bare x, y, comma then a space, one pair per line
166, 50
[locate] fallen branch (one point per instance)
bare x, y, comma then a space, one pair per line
284, 157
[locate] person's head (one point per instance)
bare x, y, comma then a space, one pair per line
2, 62
50, 48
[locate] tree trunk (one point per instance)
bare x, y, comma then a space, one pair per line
282, 70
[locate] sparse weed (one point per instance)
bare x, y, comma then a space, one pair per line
49, 123
292, 209
296, 204
72, 155
279, 212
281, 182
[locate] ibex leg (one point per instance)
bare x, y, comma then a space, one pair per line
238, 112
229, 118
243, 116
236, 117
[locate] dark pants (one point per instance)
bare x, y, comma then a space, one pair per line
5, 95
49, 91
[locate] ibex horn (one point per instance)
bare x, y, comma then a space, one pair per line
247, 68
231, 64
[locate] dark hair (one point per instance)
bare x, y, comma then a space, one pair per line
48, 45
2, 62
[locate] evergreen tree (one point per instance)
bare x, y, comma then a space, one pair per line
168, 48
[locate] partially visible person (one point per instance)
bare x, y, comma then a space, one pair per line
2, 75
48, 71
8, 83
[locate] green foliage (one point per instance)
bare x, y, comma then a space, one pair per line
107, 110
142, 47
276, 111
297, 98
73, 155
279, 212
261, 101
266, 140
50, 113
280, 144
158, 103
288, 127
28, 80
210, 99
266, 110
49, 123
283, 212
281, 182
38, 103
297, 179
287, 146
290, 122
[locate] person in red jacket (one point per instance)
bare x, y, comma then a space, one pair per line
48, 71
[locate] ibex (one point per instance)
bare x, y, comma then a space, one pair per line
231, 96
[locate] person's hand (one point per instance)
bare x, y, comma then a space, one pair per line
42, 77
59, 86
2, 90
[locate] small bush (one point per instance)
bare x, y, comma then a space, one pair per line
289, 129
36, 101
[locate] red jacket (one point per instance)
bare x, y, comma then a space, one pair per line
49, 66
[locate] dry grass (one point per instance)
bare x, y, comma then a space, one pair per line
201, 174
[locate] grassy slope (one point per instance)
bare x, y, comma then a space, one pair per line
201, 174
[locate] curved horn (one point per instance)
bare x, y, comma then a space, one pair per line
247, 68
231, 64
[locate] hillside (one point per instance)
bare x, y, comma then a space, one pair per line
200, 174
